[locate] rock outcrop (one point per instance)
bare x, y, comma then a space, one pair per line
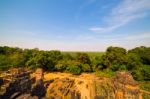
125, 86
122, 86
24, 84
15, 82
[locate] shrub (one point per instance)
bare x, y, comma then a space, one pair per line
86, 68
137, 75
74, 69
61, 66
146, 72
117, 67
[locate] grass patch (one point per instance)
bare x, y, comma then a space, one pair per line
105, 73
145, 85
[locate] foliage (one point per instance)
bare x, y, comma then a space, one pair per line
61, 65
73, 67
143, 53
4, 63
118, 67
86, 68
45, 60
146, 72
67, 56
137, 74
136, 60
133, 61
114, 56
83, 58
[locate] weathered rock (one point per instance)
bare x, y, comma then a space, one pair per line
39, 89
125, 86
125, 78
122, 86
15, 81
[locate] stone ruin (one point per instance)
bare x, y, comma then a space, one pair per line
125, 86
24, 84
38, 88
122, 86
17, 83
14, 82
63, 88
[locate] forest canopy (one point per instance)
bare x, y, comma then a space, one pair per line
136, 61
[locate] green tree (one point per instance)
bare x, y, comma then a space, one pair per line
67, 56
143, 53
133, 61
17, 59
54, 56
85, 62
146, 72
61, 65
83, 58
42, 60
115, 56
4, 62
137, 74
74, 68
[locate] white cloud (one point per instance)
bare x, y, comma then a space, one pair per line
122, 14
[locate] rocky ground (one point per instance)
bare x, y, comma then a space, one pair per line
26, 84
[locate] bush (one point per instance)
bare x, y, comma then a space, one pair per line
137, 75
74, 69
117, 67
86, 68
83, 58
61, 66
4, 63
146, 72
142, 73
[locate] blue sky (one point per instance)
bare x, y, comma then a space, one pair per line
74, 25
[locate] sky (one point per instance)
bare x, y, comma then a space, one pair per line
74, 25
